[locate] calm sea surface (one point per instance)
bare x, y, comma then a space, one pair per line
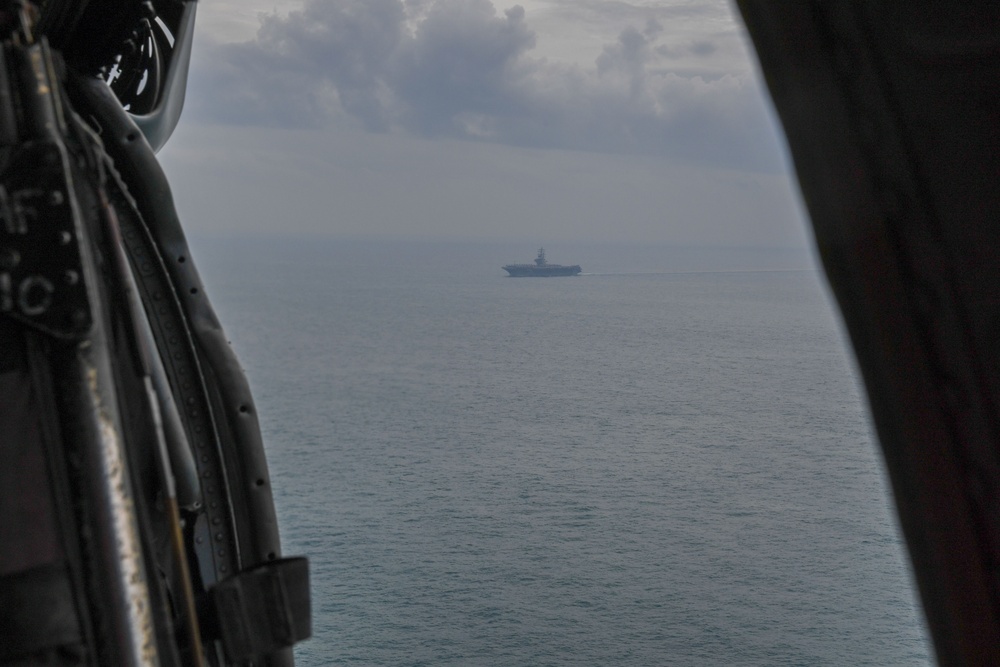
657, 463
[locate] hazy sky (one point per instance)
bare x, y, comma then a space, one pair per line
545, 120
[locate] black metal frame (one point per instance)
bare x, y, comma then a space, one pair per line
155, 494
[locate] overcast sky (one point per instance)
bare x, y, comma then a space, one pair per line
544, 120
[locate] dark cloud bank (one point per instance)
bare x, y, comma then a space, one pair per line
461, 69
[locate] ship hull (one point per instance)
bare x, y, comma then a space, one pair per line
551, 271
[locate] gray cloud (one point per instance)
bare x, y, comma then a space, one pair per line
614, 10
460, 69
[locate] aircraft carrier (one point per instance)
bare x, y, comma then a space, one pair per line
541, 268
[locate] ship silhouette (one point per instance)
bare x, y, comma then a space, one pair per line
541, 268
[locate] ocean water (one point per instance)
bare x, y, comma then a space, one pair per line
665, 461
